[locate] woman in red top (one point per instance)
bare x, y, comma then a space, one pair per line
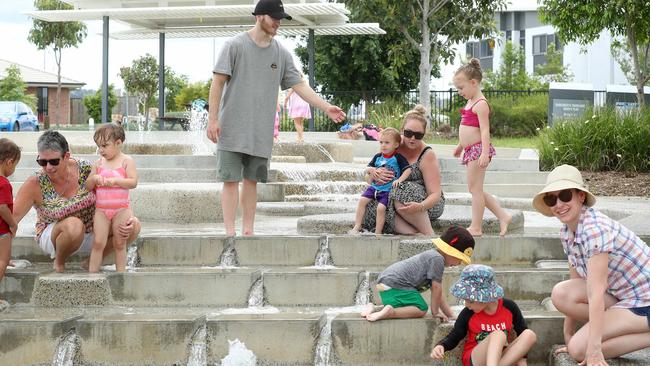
494, 328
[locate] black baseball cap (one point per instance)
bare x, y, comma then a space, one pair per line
456, 242
272, 8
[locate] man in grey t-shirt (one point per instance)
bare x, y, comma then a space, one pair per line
243, 99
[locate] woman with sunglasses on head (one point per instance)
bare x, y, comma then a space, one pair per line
419, 200
609, 266
64, 206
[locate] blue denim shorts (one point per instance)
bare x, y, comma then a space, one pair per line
3, 235
642, 311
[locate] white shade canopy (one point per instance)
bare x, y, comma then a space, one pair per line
190, 19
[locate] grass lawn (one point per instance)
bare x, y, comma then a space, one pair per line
516, 142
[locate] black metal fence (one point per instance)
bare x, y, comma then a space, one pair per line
390, 105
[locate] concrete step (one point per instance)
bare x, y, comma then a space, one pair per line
31, 339
158, 336
354, 172
346, 251
218, 286
638, 358
185, 202
28, 160
327, 187
497, 164
500, 190
452, 215
141, 339
150, 175
359, 342
305, 208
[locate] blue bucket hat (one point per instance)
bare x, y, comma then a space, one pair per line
477, 283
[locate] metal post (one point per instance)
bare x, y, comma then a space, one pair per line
105, 70
161, 80
312, 77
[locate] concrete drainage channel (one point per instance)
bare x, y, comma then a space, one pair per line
193, 297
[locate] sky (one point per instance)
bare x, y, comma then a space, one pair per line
191, 57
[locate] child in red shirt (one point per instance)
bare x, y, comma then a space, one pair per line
9, 158
494, 328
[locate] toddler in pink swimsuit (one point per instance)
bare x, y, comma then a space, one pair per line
111, 177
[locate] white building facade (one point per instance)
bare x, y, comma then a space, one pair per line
520, 23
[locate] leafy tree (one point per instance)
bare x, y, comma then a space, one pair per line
93, 102
368, 63
173, 85
583, 21
141, 79
58, 35
621, 52
553, 69
512, 73
13, 88
432, 28
192, 91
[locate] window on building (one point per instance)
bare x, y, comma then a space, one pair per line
483, 50
540, 46
541, 42
522, 39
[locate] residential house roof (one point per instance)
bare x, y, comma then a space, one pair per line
38, 78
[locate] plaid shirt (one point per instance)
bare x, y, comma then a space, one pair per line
629, 257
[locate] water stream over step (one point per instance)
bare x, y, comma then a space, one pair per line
67, 351
198, 355
132, 257
256, 294
325, 152
229, 254
323, 352
362, 297
323, 256
238, 355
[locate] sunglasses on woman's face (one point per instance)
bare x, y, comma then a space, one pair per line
565, 195
52, 162
417, 135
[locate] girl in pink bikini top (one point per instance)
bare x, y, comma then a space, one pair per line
468, 117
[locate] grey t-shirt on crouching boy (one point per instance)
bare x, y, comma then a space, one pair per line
249, 100
416, 272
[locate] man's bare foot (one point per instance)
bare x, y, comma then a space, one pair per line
503, 224
85, 264
248, 233
381, 314
368, 310
354, 231
474, 232
59, 268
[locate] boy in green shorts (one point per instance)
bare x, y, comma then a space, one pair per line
400, 284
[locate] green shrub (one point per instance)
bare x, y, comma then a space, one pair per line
605, 141
518, 116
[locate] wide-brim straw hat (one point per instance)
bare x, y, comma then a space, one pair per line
562, 177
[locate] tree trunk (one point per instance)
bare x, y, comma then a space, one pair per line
57, 114
425, 63
632, 43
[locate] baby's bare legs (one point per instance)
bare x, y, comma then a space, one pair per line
119, 242
361, 210
101, 227
381, 218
